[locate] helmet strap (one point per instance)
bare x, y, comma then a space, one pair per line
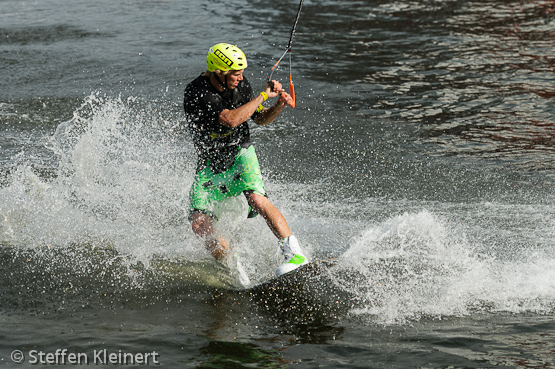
224, 83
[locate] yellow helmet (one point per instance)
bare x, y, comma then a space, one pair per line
225, 57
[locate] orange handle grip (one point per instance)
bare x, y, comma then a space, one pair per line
292, 91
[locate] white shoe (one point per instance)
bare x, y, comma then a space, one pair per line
243, 276
293, 255
232, 263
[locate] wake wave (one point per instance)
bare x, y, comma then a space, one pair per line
414, 266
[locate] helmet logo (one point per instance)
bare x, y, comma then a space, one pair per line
223, 58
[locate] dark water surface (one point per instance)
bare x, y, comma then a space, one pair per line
421, 151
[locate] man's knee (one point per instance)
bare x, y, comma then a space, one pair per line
256, 200
201, 224
261, 204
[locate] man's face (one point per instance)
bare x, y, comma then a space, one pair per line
233, 78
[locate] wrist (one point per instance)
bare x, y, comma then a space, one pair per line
264, 95
279, 104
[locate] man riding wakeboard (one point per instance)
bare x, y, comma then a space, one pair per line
218, 105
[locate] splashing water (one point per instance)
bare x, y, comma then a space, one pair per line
119, 179
118, 205
121, 184
414, 266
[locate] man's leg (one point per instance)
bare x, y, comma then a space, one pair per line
294, 257
203, 226
270, 213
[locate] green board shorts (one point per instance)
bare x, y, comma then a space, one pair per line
244, 176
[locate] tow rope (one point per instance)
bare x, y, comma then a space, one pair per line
288, 50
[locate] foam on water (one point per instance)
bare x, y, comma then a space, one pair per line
416, 265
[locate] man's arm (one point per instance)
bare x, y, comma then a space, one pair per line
233, 118
267, 116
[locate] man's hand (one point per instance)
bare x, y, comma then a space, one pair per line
268, 115
285, 99
273, 88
